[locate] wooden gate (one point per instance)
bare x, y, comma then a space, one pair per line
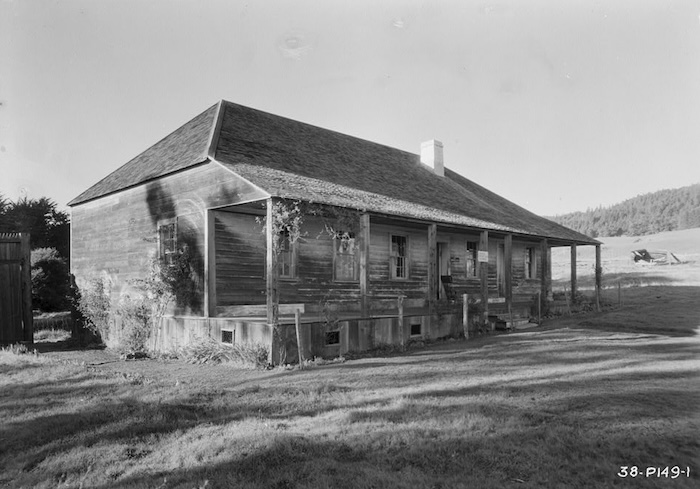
15, 289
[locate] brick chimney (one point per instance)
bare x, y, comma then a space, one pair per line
431, 155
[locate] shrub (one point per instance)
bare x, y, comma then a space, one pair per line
50, 280
137, 321
93, 305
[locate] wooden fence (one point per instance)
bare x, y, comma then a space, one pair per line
16, 322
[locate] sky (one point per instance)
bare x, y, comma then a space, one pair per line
557, 106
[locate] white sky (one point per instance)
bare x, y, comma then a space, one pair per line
557, 106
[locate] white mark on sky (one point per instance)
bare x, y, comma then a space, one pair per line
295, 45
399, 23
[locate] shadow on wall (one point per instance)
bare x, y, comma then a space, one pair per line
190, 239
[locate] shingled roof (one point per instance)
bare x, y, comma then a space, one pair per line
291, 159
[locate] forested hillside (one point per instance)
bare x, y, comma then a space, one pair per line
665, 210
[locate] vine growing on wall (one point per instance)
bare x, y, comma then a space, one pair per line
287, 218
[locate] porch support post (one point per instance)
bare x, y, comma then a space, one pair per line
484, 275
545, 274
272, 272
508, 264
209, 265
598, 276
432, 271
573, 273
364, 264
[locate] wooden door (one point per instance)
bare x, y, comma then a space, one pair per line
15, 289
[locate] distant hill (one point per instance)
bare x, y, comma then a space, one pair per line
665, 210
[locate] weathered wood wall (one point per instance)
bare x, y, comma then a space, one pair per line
361, 335
415, 286
240, 259
16, 323
240, 265
115, 237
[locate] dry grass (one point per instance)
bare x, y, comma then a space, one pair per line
564, 405
618, 267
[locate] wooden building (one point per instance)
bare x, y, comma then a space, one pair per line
387, 242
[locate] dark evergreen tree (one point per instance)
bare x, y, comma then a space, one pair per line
665, 210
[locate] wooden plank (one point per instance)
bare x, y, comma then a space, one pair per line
598, 276
432, 270
258, 310
300, 343
573, 274
465, 315
508, 264
26, 281
272, 271
545, 275
484, 275
210, 264
365, 233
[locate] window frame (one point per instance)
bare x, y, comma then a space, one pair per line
530, 263
355, 257
167, 256
472, 258
392, 263
291, 252
335, 333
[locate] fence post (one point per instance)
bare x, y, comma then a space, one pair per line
619, 294
27, 313
465, 315
402, 336
300, 346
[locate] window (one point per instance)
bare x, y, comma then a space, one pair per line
530, 263
285, 259
345, 257
226, 336
332, 338
167, 239
416, 329
398, 265
472, 247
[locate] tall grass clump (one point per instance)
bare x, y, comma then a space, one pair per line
208, 350
137, 324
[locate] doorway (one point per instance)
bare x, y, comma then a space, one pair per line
500, 270
443, 250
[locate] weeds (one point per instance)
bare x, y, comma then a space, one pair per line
208, 350
19, 349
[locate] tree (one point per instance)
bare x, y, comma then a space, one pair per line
50, 281
48, 226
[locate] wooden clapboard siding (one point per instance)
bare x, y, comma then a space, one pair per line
115, 236
240, 259
240, 266
524, 288
314, 283
416, 285
458, 261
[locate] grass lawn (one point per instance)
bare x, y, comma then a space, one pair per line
562, 405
